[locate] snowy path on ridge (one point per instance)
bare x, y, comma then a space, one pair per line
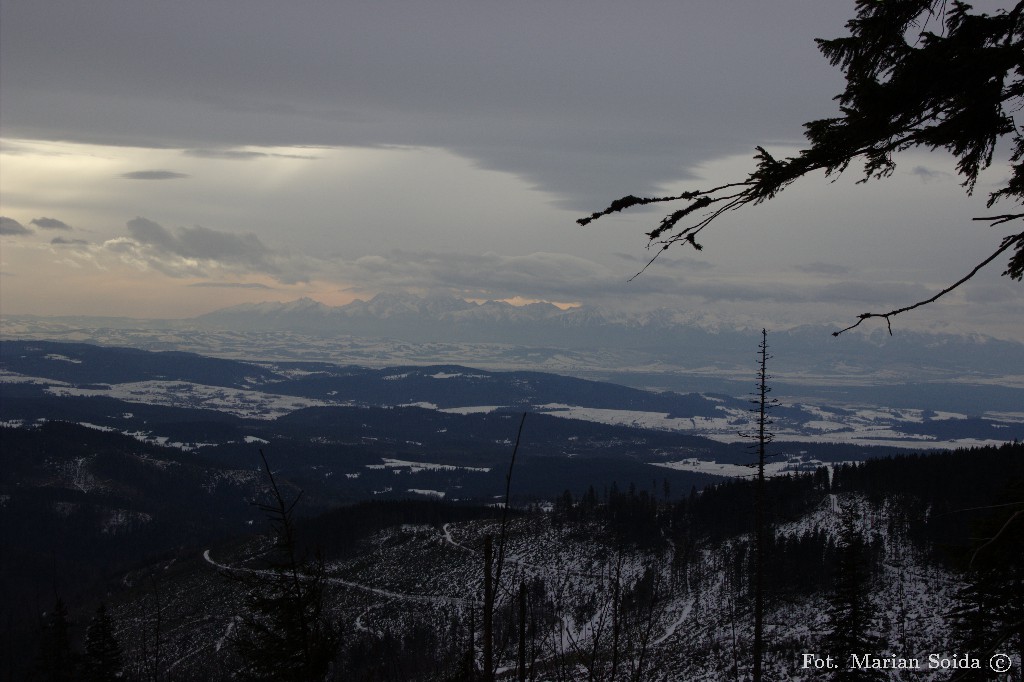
401, 596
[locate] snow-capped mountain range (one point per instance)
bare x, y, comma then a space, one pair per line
684, 351
599, 339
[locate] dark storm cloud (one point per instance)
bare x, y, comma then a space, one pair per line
62, 241
50, 224
201, 243
153, 175
148, 232
11, 227
195, 251
584, 100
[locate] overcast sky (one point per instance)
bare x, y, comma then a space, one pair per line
166, 159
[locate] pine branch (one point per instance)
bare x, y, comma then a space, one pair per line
631, 201
955, 87
1007, 243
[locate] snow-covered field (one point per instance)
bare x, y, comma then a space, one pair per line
856, 426
416, 467
701, 466
239, 402
803, 422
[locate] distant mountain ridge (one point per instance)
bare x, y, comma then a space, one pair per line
429, 318
667, 335
51, 380
662, 349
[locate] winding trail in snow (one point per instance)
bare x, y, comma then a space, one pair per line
671, 629
400, 596
360, 624
545, 570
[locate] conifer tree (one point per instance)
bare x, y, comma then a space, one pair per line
989, 616
56, 661
102, 662
851, 619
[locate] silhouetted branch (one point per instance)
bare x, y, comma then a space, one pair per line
631, 201
1000, 219
957, 88
1007, 243
996, 536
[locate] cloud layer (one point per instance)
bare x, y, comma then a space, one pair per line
200, 252
588, 101
50, 224
221, 257
153, 175
215, 112
12, 228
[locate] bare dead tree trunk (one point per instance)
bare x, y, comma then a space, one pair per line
732, 619
616, 622
155, 672
534, 648
471, 659
522, 631
762, 437
488, 624
492, 574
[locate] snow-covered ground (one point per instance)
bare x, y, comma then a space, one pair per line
416, 467
855, 426
801, 421
240, 402
735, 470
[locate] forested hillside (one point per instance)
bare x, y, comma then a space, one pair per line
616, 582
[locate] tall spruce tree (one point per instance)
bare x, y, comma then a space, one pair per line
56, 661
851, 618
102, 660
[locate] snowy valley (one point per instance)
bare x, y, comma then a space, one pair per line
627, 549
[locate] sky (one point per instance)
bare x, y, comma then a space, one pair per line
163, 160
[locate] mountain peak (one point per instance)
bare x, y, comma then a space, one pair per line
397, 304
